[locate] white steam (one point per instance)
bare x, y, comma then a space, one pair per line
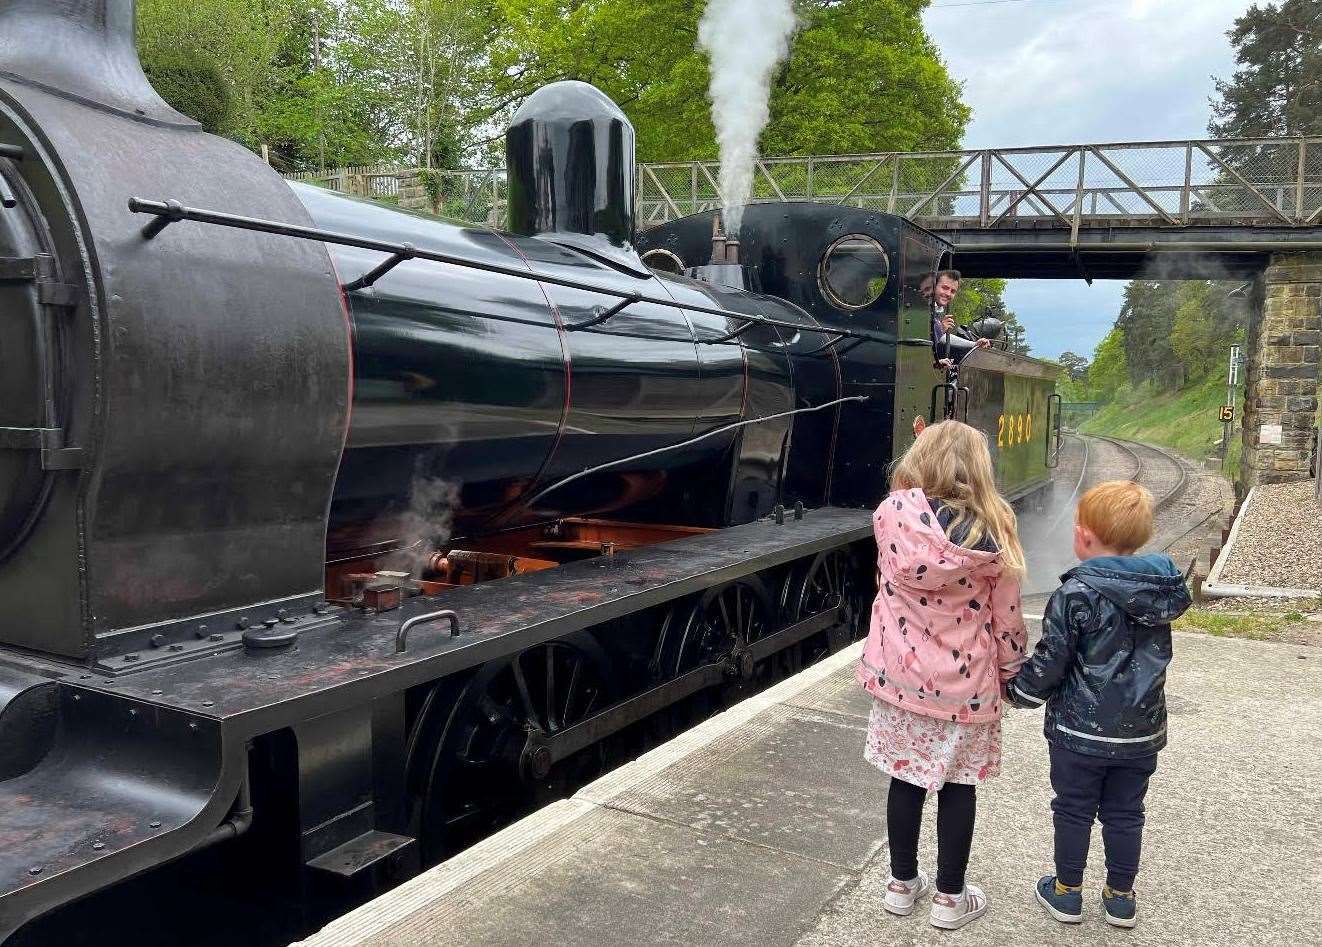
746, 40
427, 523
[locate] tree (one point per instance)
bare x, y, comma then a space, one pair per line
862, 75
1277, 87
1146, 319
1109, 370
1076, 366
320, 82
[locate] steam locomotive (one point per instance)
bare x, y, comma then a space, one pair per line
334, 536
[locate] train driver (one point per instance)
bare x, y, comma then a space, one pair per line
942, 293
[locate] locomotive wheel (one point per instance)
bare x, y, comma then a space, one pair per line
720, 626
466, 763
831, 579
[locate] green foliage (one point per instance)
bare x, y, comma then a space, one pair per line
862, 75
196, 87
1110, 365
985, 297
320, 82
1176, 332
1198, 341
1186, 420
1277, 85
1076, 366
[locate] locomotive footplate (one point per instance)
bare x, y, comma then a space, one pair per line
351, 670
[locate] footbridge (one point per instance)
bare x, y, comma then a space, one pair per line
1213, 208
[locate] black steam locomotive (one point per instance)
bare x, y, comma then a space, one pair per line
332, 536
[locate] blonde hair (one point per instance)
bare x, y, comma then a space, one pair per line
1119, 514
950, 462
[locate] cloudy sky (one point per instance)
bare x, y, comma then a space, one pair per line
1040, 72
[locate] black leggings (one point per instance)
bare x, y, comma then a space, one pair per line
956, 805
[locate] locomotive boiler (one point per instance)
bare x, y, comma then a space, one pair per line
333, 537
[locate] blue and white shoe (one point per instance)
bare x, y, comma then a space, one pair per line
1120, 910
1067, 907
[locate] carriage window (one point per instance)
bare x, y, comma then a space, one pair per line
853, 272
663, 261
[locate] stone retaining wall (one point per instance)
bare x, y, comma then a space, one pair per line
1283, 355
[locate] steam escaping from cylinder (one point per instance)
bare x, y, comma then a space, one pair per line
428, 521
746, 41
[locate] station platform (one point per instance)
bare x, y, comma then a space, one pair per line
764, 826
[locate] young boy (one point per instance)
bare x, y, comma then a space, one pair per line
1101, 670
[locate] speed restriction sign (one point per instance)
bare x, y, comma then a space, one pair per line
1227, 413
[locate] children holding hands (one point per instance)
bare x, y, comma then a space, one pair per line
946, 650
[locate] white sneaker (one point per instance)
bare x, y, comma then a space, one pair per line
950, 912
900, 895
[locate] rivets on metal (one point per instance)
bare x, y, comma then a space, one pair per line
282, 613
201, 631
154, 824
97, 846
84, 677
157, 640
208, 703
34, 870
158, 692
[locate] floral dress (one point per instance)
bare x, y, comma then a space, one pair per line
930, 752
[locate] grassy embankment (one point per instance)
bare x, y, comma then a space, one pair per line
1185, 421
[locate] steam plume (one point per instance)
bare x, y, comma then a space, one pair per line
746, 40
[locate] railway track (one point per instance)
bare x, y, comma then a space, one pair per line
1167, 478
1095, 459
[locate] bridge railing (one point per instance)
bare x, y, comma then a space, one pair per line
1268, 181
1273, 180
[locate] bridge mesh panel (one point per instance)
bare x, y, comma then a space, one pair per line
1054, 192
1269, 169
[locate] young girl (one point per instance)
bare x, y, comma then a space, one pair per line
946, 634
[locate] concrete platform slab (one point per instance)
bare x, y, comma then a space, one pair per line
838, 694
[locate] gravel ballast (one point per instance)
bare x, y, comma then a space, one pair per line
1280, 539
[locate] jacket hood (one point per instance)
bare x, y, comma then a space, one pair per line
1149, 589
921, 555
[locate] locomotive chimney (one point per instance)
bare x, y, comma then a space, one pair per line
724, 268
570, 155
723, 249
84, 49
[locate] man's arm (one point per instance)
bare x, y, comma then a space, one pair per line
1054, 654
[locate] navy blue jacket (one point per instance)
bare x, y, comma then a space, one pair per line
1100, 667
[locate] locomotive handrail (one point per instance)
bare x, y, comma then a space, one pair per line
692, 440
170, 212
